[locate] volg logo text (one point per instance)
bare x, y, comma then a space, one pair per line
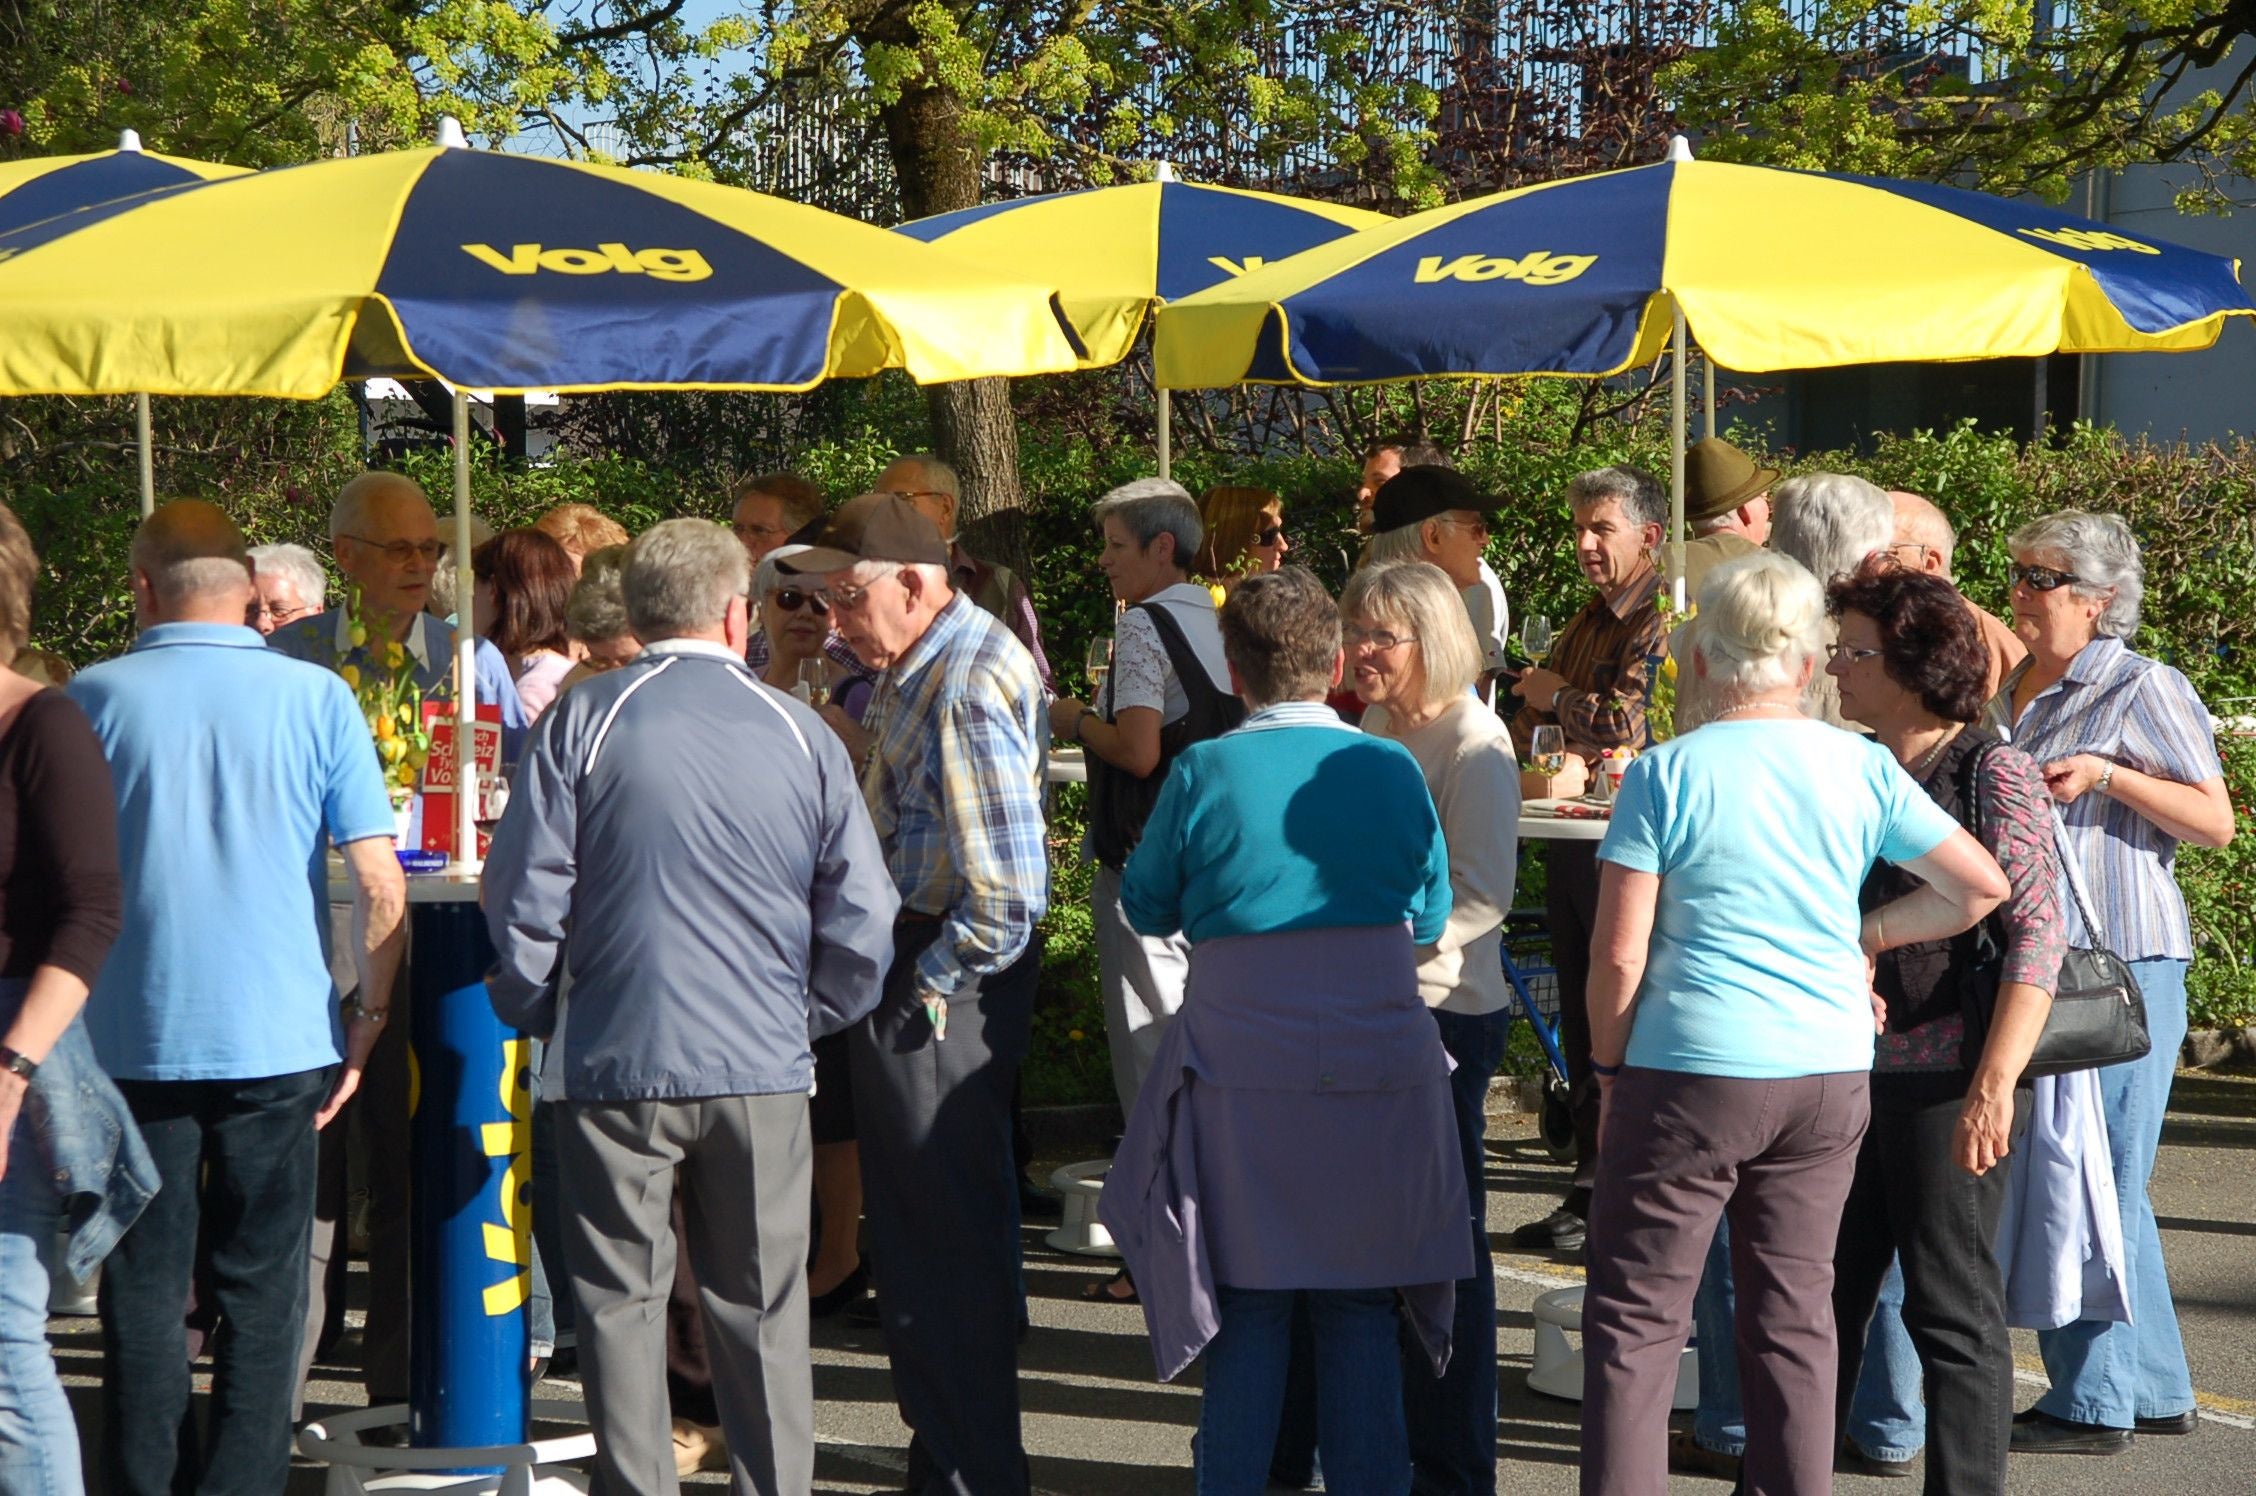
1537, 268
604, 259
2088, 239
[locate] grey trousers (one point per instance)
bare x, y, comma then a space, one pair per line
1142, 977
745, 1171
940, 1187
1676, 1151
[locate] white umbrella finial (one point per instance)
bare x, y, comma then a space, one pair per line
1680, 149
129, 140
450, 136
1165, 172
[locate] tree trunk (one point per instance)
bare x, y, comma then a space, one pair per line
974, 428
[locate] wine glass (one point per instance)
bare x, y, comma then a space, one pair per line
813, 683
1549, 750
1100, 664
1535, 636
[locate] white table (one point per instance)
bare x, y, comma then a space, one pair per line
1535, 825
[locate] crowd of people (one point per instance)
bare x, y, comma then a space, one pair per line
780, 1014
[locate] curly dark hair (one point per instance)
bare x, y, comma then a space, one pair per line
1929, 642
532, 579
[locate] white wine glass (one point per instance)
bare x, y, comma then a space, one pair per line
813, 684
1535, 636
1549, 750
1100, 664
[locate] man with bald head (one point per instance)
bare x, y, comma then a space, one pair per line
387, 544
1925, 542
933, 488
215, 1013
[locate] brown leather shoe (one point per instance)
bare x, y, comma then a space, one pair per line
697, 1447
1688, 1456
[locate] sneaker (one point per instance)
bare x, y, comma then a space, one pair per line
1854, 1461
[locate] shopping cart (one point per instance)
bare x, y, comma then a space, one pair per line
1535, 997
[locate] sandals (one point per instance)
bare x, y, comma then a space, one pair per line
1117, 1289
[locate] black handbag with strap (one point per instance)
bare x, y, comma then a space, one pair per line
2098, 1014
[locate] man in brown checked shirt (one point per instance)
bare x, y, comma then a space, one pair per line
1597, 690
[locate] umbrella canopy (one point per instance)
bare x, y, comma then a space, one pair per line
1771, 269
45, 186
1115, 251
499, 272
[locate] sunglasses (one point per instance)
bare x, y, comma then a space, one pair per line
2043, 578
792, 599
1269, 535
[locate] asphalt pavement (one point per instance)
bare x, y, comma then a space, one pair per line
1098, 1422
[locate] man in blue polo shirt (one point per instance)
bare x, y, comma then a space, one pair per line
234, 766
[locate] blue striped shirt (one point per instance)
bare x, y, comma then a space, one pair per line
2142, 714
954, 784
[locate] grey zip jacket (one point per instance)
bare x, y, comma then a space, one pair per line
703, 838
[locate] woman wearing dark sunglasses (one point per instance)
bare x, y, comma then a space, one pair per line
795, 621
2129, 755
1245, 535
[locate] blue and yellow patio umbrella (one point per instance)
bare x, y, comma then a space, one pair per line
1116, 252
1763, 268
46, 186
493, 272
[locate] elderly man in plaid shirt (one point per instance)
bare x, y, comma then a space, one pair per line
952, 768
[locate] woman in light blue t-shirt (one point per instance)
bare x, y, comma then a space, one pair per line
1732, 1023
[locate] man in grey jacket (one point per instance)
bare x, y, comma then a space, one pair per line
718, 919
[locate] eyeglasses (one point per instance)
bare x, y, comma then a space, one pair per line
758, 532
398, 552
843, 595
2042, 578
1377, 638
1918, 554
1478, 524
792, 599
1269, 535
279, 614
1849, 654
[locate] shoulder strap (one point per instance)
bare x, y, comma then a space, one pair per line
1190, 670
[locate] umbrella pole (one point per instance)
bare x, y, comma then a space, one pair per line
1707, 380
1676, 465
1166, 435
143, 441
465, 655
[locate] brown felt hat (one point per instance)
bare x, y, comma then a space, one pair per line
1718, 478
874, 527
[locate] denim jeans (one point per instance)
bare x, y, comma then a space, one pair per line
2106, 1372
1452, 1418
1886, 1418
38, 1440
1358, 1390
237, 1157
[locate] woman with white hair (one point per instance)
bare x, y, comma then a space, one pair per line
1830, 522
2130, 758
291, 585
1414, 658
1732, 1028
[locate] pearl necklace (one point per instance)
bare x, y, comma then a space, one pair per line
1755, 706
1927, 759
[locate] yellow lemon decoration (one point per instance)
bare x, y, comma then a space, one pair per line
351, 673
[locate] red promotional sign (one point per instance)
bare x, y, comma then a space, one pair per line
439, 774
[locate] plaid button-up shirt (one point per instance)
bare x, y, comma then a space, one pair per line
954, 784
2140, 713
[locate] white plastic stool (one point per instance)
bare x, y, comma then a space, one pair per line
1080, 1232
1557, 1371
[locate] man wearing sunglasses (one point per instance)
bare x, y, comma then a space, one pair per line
1484, 594
1925, 542
386, 542
932, 486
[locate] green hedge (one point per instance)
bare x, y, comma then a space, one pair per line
273, 466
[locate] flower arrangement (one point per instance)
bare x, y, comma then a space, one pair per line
1660, 709
391, 702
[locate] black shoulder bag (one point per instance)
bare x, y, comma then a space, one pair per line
2098, 1015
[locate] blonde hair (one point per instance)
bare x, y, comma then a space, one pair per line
1232, 514
1762, 618
581, 528
1418, 597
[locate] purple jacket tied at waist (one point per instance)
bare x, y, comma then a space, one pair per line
1295, 1133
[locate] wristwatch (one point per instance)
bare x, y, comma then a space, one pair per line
2106, 778
19, 1064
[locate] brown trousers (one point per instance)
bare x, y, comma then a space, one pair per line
1675, 1151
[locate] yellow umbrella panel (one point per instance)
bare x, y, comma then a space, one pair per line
497, 272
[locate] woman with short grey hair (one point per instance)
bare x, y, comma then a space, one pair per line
1732, 1026
1831, 523
2131, 760
291, 585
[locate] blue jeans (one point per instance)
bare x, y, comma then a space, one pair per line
38, 1440
1358, 1390
2111, 1373
1452, 1418
1888, 1418
238, 1161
